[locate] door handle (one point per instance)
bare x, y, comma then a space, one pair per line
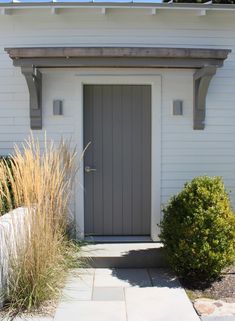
88, 169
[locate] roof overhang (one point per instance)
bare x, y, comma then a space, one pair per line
8, 7
204, 60
14, 4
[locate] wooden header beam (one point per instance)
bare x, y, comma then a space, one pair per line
69, 52
206, 61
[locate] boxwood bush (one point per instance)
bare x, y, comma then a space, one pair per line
198, 229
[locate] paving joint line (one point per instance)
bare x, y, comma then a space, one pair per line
150, 278
124, 290
93, 284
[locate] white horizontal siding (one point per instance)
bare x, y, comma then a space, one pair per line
185, 152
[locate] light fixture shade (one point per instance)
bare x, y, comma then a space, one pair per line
177, 107
57, 107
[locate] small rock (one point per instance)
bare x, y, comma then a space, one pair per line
218, 304
205, 307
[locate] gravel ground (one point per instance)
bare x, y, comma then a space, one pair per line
46, 310
223, 288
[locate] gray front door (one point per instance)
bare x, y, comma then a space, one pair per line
117, 123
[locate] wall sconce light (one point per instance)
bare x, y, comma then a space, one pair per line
177, 107
57, 107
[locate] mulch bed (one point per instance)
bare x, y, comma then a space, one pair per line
223, 288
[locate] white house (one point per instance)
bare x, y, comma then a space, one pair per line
150, 85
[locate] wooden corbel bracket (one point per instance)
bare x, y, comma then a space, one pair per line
34, 82
201, 80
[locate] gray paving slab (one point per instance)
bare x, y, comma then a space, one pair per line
122, 277
108, 294
92, 311
158, 304
155, 301
218, 318
79, 286
70, 294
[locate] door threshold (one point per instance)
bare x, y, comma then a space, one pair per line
119, 239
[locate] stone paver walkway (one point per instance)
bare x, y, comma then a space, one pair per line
124, 295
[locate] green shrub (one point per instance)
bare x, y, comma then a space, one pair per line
5, 205
198, 229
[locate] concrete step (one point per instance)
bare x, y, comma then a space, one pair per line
124, 255
118, 239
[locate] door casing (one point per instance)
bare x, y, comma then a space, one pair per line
123, 76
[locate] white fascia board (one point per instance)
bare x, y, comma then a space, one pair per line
153, 7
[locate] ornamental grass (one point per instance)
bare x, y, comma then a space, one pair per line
39, 179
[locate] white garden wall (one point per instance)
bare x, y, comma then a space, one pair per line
185, 152
12, 232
